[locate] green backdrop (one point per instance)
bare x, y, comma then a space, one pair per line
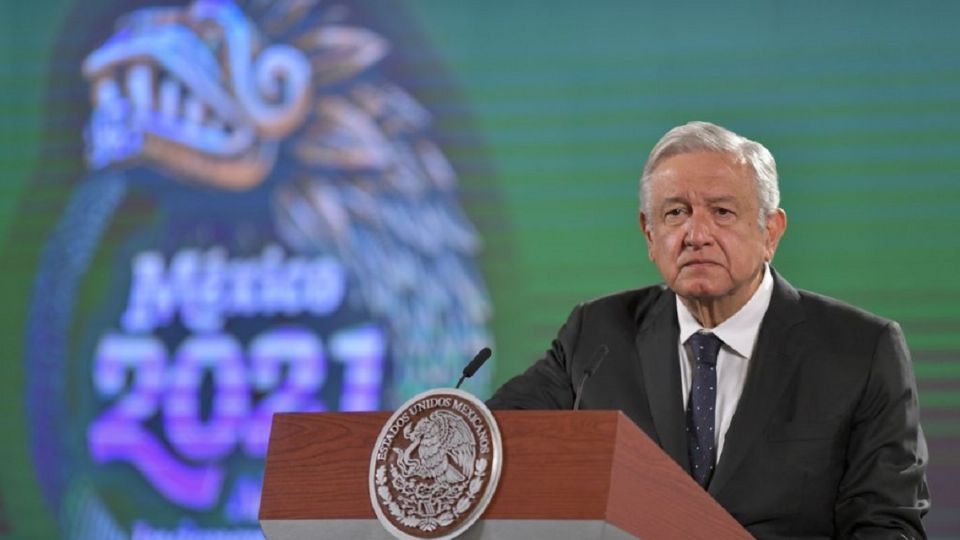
859, 103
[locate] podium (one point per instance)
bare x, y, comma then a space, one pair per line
566, 475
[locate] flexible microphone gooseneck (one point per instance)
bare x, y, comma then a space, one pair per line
598, 356
474, 364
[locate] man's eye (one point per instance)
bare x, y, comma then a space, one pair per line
724, 212
674, 212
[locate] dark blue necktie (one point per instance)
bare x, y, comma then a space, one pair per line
701, 405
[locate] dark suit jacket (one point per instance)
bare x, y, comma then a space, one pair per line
825, 441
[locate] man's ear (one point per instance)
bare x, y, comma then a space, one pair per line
647, 234
775, 227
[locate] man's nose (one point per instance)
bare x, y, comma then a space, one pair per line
699, 230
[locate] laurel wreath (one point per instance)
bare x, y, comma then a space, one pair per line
452, 499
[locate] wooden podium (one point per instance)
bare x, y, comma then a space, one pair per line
577, 475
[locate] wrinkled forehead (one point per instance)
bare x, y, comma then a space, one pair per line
702, 178
702, 158
703, 169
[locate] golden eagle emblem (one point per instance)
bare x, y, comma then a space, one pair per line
442, 448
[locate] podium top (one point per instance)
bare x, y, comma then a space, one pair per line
583, 465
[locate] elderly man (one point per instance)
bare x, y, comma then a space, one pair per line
796, 412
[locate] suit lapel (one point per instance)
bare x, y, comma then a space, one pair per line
771, 369
656, 344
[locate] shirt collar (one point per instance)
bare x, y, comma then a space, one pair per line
739, 332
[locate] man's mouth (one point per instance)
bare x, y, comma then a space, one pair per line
698, 263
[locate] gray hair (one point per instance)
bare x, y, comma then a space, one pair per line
707, 137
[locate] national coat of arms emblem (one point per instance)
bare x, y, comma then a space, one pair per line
435, 465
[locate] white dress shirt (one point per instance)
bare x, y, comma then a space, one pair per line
739, 336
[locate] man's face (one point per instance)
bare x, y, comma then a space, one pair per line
702, 231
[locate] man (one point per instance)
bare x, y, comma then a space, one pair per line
796, 412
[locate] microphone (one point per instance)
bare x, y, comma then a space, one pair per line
474, 365
598, 356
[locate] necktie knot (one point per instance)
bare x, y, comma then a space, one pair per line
705, 348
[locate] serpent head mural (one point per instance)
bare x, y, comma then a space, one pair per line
276, 227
